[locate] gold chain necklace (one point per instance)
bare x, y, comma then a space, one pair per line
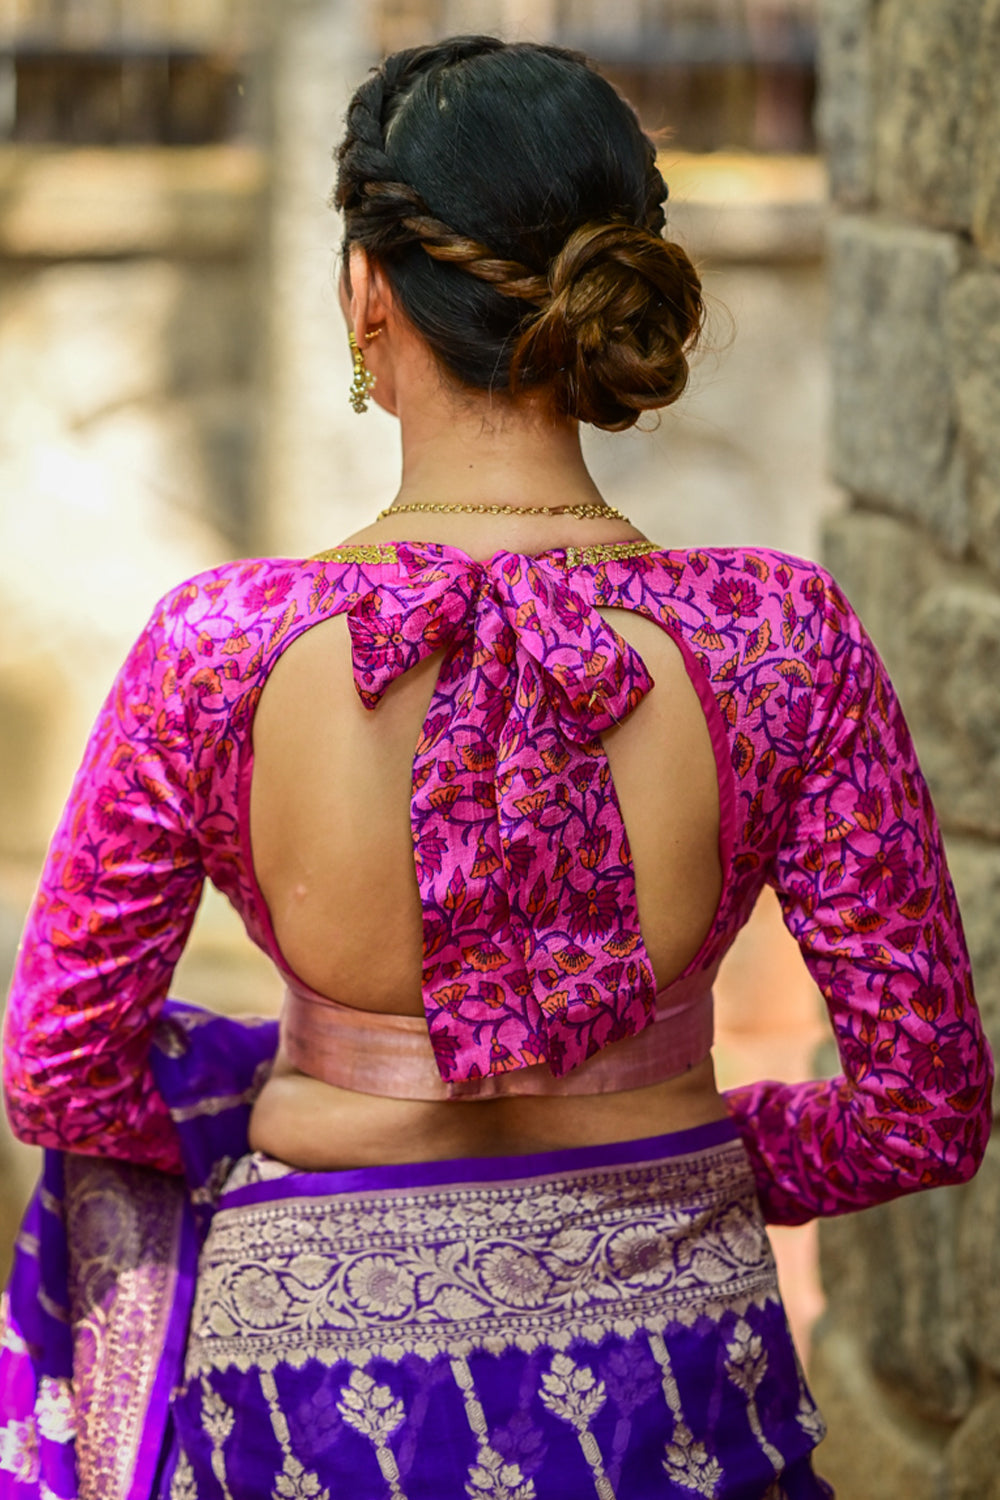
583, 512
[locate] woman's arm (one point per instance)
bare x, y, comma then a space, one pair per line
864, 887
113, 910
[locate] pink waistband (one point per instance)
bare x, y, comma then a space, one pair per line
374, 1053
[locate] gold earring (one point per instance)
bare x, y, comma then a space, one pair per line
364, 380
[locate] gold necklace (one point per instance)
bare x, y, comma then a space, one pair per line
583, 512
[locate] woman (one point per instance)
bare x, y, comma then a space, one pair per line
494, 1231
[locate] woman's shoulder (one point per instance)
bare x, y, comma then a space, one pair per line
212, 638
716, 572
238, 590
778, 645
240, 608
757, 599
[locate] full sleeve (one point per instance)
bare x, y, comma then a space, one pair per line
113, 910
864, 887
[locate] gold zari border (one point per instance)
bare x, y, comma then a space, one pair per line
458, 1269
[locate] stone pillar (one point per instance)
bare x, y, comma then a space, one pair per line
325, 470
907, 1360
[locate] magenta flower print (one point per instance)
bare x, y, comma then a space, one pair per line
887, 871
477, 757
108, 810
620, 944
935, 1064
272, 590
594, 911
374, 632
446, 1044
573, 959
798, 718
485, 956
573, 611
862, 919
429, 855
868, 810
77, 872
518, 855
742, 755
593, 847
735, 596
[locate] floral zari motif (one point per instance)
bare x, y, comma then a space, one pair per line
594, 1308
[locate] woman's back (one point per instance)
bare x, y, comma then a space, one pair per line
333, 843
334, 839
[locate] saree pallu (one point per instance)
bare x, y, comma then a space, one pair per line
94, 1319
600, 1321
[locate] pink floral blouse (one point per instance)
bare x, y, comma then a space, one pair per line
532, 947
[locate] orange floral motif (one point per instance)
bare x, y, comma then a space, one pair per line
484, 956
573, 960
888, 870
757, 643
742, 755
918, 903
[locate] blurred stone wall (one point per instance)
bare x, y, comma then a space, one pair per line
907, 1362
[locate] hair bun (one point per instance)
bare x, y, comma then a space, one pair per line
514, 203
612, 337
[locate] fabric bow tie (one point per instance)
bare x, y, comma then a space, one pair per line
593, 677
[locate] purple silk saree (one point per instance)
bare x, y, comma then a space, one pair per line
601, 1321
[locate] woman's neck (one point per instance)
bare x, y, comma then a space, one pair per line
486, 450
468, 448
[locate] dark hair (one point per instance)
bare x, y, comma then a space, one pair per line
515, 204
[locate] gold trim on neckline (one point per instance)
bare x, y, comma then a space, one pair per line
360, 552
607, 552
374, 553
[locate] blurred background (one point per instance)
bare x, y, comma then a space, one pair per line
174, 369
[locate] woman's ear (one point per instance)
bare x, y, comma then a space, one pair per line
366, 295
368, 305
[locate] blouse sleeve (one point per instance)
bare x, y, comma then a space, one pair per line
864, 887
113, 910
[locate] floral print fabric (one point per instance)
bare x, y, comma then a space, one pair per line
532, 951
531, 934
